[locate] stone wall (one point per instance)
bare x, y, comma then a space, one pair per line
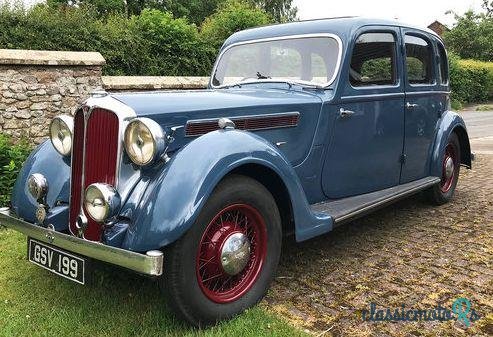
37, 85
142, 83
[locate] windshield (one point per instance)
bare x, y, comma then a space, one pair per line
305, 59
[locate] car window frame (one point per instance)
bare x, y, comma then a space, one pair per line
433, 62
326, 85
439, 45
398, 76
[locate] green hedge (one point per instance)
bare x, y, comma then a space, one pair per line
152, 43
155, 43
12, 156
471, 81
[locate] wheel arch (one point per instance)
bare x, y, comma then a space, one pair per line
185, 183
275, 185
450, 123
465, 147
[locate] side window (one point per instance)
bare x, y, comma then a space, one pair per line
443, 64
374, 60
419, 56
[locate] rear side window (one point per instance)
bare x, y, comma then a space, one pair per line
419, 56
374, 60
443, 64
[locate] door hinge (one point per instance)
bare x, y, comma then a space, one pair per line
402, 159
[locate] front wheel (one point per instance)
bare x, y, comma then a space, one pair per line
226, 261
444, 191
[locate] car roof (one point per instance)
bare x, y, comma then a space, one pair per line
341, 26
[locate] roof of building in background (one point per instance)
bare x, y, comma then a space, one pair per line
438, 27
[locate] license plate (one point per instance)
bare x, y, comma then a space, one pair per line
57, 261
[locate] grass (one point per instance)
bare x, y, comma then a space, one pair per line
34, 302
486, 107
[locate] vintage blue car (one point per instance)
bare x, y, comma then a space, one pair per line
304, 126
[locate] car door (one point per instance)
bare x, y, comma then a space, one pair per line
365, 144
423, 104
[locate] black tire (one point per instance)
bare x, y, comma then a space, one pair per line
180, 281
443, 192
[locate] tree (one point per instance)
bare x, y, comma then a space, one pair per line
488, 7
232, 16
280, 10
472, 36
102, 7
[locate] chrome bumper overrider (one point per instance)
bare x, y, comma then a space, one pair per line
149, 264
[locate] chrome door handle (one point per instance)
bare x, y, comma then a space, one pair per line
345, 113
411, 105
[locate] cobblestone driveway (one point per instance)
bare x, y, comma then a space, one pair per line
410, 253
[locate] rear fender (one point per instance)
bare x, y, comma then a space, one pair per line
450, 122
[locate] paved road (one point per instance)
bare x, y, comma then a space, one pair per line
480, 128
411, 253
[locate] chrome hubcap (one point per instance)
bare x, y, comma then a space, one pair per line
449, 168
235, 253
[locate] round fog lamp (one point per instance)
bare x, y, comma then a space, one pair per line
37, 186
101, 201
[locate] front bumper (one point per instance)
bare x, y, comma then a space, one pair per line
150, 263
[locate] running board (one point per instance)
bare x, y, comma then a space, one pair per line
343, 210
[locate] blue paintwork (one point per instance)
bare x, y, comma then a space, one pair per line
364, 150
173, 197
175, 108
46, 160
449, 122
325, 157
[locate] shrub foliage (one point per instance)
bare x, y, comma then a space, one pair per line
156, 43
151, 43
471, 81
233, 16
12, 156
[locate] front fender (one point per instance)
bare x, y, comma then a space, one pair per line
450, 122
174, 197
56, 168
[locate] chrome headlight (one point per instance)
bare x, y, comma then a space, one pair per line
144, 141
37, 186
101, 201
61, 131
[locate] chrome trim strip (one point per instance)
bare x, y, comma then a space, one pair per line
280, 38
387, 200
212, 120
430, 92
373, 96
151, 264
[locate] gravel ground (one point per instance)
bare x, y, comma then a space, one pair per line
410, 253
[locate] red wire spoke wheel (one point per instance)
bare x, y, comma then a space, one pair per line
226, 261
231, 253
450, 167
450, 162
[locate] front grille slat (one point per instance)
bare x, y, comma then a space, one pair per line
100, 162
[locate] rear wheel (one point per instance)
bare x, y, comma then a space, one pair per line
226, 261
444, 191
